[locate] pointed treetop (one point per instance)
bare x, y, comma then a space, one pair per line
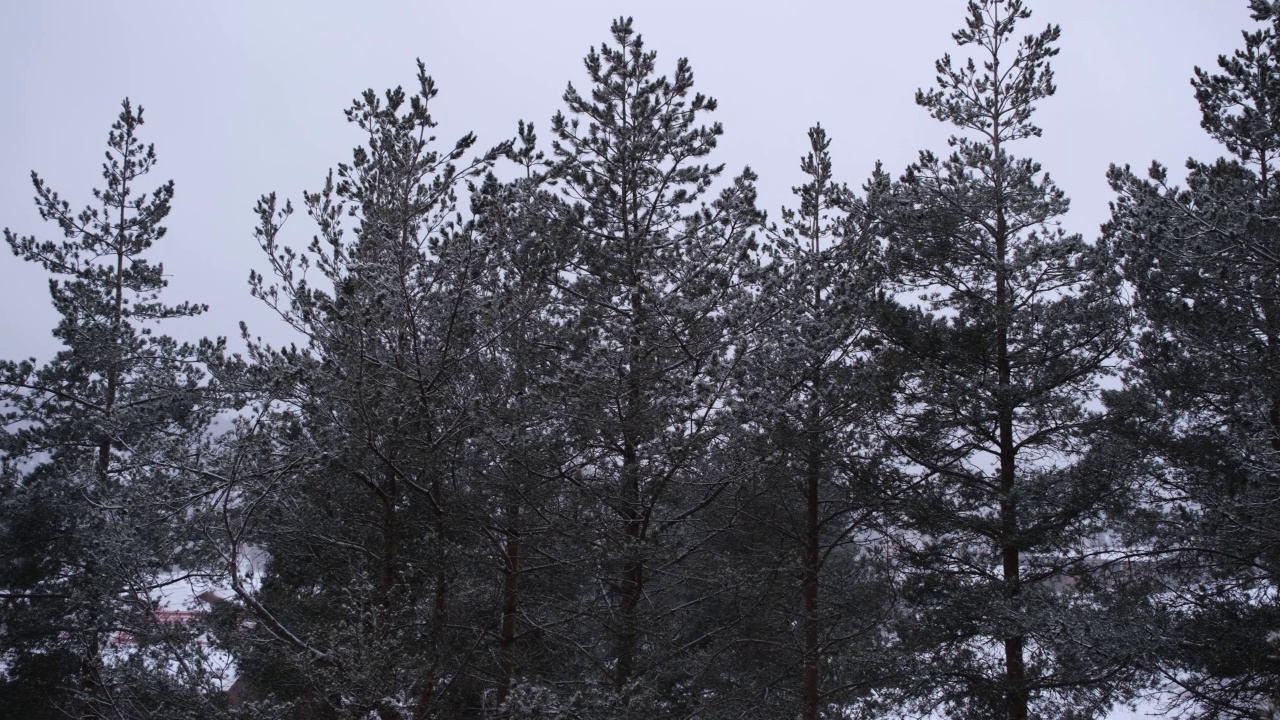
101, 253
998, 98
637, 132
824, 203
1240, 107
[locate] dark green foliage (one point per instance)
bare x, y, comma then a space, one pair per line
1008, 326
808, 396
646, 292
351, 475
584, 448
522, 458
84, 496
1204, 391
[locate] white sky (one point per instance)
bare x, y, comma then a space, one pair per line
246, 97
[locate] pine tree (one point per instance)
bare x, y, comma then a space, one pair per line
88, 531
1205, 384
354, 479
807, 398
1010, 326
522, 447
645, 297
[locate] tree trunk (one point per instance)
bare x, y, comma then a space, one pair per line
386, 572
812, 557
91, 664
1016, 699
1015, 667
632, 585
510, 602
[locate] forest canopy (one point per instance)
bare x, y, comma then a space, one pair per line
569, 426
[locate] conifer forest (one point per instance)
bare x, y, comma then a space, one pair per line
572, 427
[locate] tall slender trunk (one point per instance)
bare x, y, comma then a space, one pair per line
427, 695
1017, 697
812, 557
91, 663
813, 476
631, 587
1015, 664
386, 569
442, 573
512, 559
510, 601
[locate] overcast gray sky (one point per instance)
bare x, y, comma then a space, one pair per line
246, 97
